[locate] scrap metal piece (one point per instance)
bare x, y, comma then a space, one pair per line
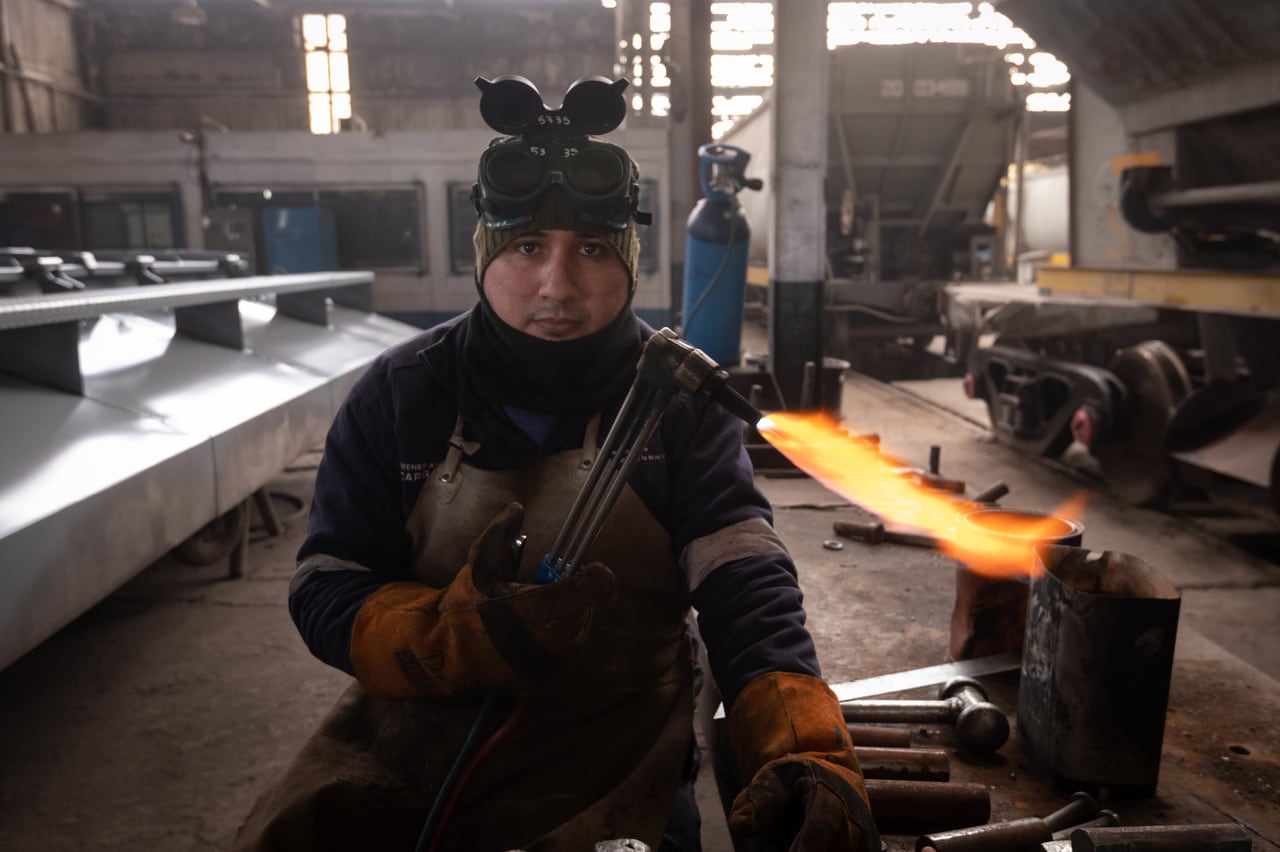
874, 533
916, 678
929, 479
1209, 837
1019, 835
1016, 835
927, 676
626, 844
1104, 819
1080, 808
991, 493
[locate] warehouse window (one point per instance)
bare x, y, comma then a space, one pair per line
373, 228
741, 60
90, 221
42, 220
324, 38
377, 229
130, 222
648, 262
462, 224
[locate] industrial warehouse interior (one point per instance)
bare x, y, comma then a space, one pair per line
990, 291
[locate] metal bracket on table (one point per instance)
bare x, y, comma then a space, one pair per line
39, 335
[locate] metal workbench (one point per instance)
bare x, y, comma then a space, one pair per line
135, 415
877, 609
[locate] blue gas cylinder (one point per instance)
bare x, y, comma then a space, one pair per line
718, 236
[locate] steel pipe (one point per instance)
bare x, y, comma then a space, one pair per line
1262, 192
915, 807
1213, 837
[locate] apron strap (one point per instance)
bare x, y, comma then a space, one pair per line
458, 448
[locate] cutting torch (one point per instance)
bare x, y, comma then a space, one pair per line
667, 366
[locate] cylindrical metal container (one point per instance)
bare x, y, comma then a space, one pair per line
717, 239
1100, 633
990, 613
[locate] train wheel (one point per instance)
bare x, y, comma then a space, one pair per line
1133, 455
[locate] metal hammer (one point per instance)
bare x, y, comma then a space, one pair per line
1019, 835
980, 725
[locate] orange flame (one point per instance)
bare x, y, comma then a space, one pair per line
995, 542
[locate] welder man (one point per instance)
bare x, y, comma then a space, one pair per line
490, 712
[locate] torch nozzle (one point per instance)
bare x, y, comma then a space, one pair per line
737, 405
673, 364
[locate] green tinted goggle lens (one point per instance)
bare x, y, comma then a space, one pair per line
597, 179
597, 171
513, 172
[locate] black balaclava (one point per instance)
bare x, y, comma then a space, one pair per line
574, 377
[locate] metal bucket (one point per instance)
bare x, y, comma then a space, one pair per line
990, 613
1100, 633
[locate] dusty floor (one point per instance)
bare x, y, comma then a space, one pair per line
153, 721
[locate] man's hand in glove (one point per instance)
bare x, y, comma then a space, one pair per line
806, 789
482, 630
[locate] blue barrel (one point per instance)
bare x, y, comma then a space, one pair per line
715, 272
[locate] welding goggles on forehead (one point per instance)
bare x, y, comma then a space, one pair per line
599, 180
547, 148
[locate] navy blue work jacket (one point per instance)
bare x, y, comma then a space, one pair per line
394, 428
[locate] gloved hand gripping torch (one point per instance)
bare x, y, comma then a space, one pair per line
667, 366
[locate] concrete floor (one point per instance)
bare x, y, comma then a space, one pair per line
153, 721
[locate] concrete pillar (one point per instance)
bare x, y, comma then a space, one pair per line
688, 57
797, 238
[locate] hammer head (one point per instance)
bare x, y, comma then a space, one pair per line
980, 725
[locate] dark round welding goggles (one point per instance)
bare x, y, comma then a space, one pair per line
599, 180
546, 148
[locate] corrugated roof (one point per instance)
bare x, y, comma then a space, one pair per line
1129, 49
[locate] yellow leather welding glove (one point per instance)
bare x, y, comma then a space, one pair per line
482, 630
806, 791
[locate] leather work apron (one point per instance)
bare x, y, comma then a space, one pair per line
597, 749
